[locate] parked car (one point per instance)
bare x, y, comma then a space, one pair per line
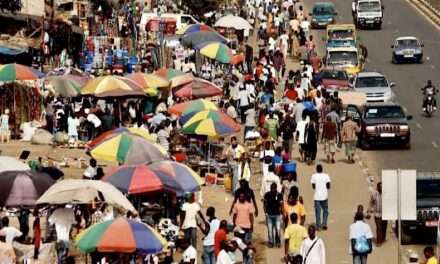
407, 49
334, 79
323, 14
381, 123
375, 86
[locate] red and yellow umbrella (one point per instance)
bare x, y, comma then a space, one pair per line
150, 82
208, 123
217, 51
112, 86
168, 73
198, 88
18, 72
191, 106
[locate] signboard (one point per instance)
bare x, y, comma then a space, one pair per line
408, 194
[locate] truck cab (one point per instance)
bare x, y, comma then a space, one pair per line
345, 58
341, 35
368, 13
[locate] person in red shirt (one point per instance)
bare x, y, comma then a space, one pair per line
221, 236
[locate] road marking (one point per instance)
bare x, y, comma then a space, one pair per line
434, 144
419, 9
418, 126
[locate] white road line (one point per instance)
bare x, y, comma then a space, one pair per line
418, 126
418, 9
434, 144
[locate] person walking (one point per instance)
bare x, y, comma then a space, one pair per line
312, 248
349, 137
188, 219
360, 239
311, 142
293, 237
209, 231
243, 216
329, 136
273, 202
321, 184
220, 237
375, 208
293, 205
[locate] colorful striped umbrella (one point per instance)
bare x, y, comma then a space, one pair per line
114, 132
194, 28
209, 123
150, 82
198, 88
18, 72
112, 86
217, 51
181, 80
168, 73
191, 106
66, 85
188, 180
138, 179
129, 149
120, 235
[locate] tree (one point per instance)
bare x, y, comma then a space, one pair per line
10, 5
199, 8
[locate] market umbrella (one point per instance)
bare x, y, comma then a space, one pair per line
138, 179
150, 82
188, 179
196, 38
112, 86
168, 73
191, 106
217, 51
128, 148
74, 191
66, 85
8, 163
181, 80
208, 123
194, 28
198, 88
17, 72
114, 132
120, 235
53, 172
22, 188
235, 22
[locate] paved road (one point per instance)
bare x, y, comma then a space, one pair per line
402, 19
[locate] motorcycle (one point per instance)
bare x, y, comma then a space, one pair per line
429, 103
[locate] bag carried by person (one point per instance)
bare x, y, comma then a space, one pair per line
361, 245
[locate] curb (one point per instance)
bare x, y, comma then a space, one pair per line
426, 8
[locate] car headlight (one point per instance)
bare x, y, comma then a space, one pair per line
370, 129
417, 51
314, 19
330, 19
399, 52
403, 128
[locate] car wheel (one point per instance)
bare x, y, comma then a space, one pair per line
379, 26
407, 146
394, 60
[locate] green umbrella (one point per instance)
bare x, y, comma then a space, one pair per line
66, 85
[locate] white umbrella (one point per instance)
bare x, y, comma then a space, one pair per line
235, 22
73, 191
8, 163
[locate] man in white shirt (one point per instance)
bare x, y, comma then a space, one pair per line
189, 255
360, 230
63, 219
188, 219
321, 184
301, 128
231, 111
312, 248
211, 227
9, 232
269, 179
226, 255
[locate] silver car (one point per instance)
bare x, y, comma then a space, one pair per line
375, 86
407, 49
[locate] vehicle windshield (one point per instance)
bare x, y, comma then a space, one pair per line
341, 43
341, 34
323, 10
369, 82
407, 43
369, 7
334, 75
342, 58
384, 112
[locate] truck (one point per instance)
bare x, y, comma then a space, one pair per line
381, 123
368, 13
424, 229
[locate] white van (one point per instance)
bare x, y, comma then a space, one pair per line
182, 20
